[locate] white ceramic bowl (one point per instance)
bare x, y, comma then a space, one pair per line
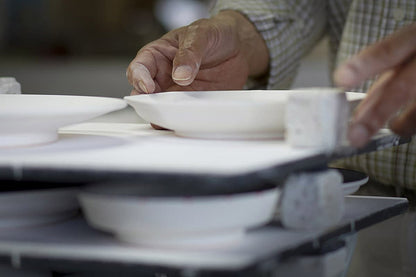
352, 180
34, 119
206, 221
215, 114
240, 114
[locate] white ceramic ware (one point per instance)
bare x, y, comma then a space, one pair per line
198, 221
36, 207
34, 119
240, 114
353, 180
215, 114
351, 187
9, 85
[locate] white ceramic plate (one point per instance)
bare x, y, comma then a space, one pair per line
198, 221
35, 119
351, 187
352, 180
215, 114
36, 207
242, 114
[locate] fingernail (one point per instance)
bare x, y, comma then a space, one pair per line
142, 87
345, 76
182, 73
359, 135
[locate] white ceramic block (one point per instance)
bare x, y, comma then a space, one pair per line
312, 200
317, 117
9, 85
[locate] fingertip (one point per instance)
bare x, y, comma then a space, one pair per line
358, 135
134, 92
183, 75
141, 78
150, 87
346, 76
142, 86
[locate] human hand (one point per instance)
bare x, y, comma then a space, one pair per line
210, 54
392, 97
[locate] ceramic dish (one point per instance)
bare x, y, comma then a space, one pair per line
35, 119
243, 114
138, 215
215, 114
352, 180
37, 207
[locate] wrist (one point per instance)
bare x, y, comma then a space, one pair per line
251, 43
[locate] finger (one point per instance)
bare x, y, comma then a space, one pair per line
373, 94
405, 123
375, 59
360, 130
394, 90
141, 72
135, 92
192, 47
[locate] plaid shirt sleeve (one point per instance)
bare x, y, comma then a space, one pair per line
289, 28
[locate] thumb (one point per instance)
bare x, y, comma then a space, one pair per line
187, 61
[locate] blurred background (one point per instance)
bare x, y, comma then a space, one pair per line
84, 47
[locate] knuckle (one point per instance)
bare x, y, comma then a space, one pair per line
191, 37
145, 51
197, 32
200, 22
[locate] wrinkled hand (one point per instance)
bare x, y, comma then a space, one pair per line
210, 54
392, 97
